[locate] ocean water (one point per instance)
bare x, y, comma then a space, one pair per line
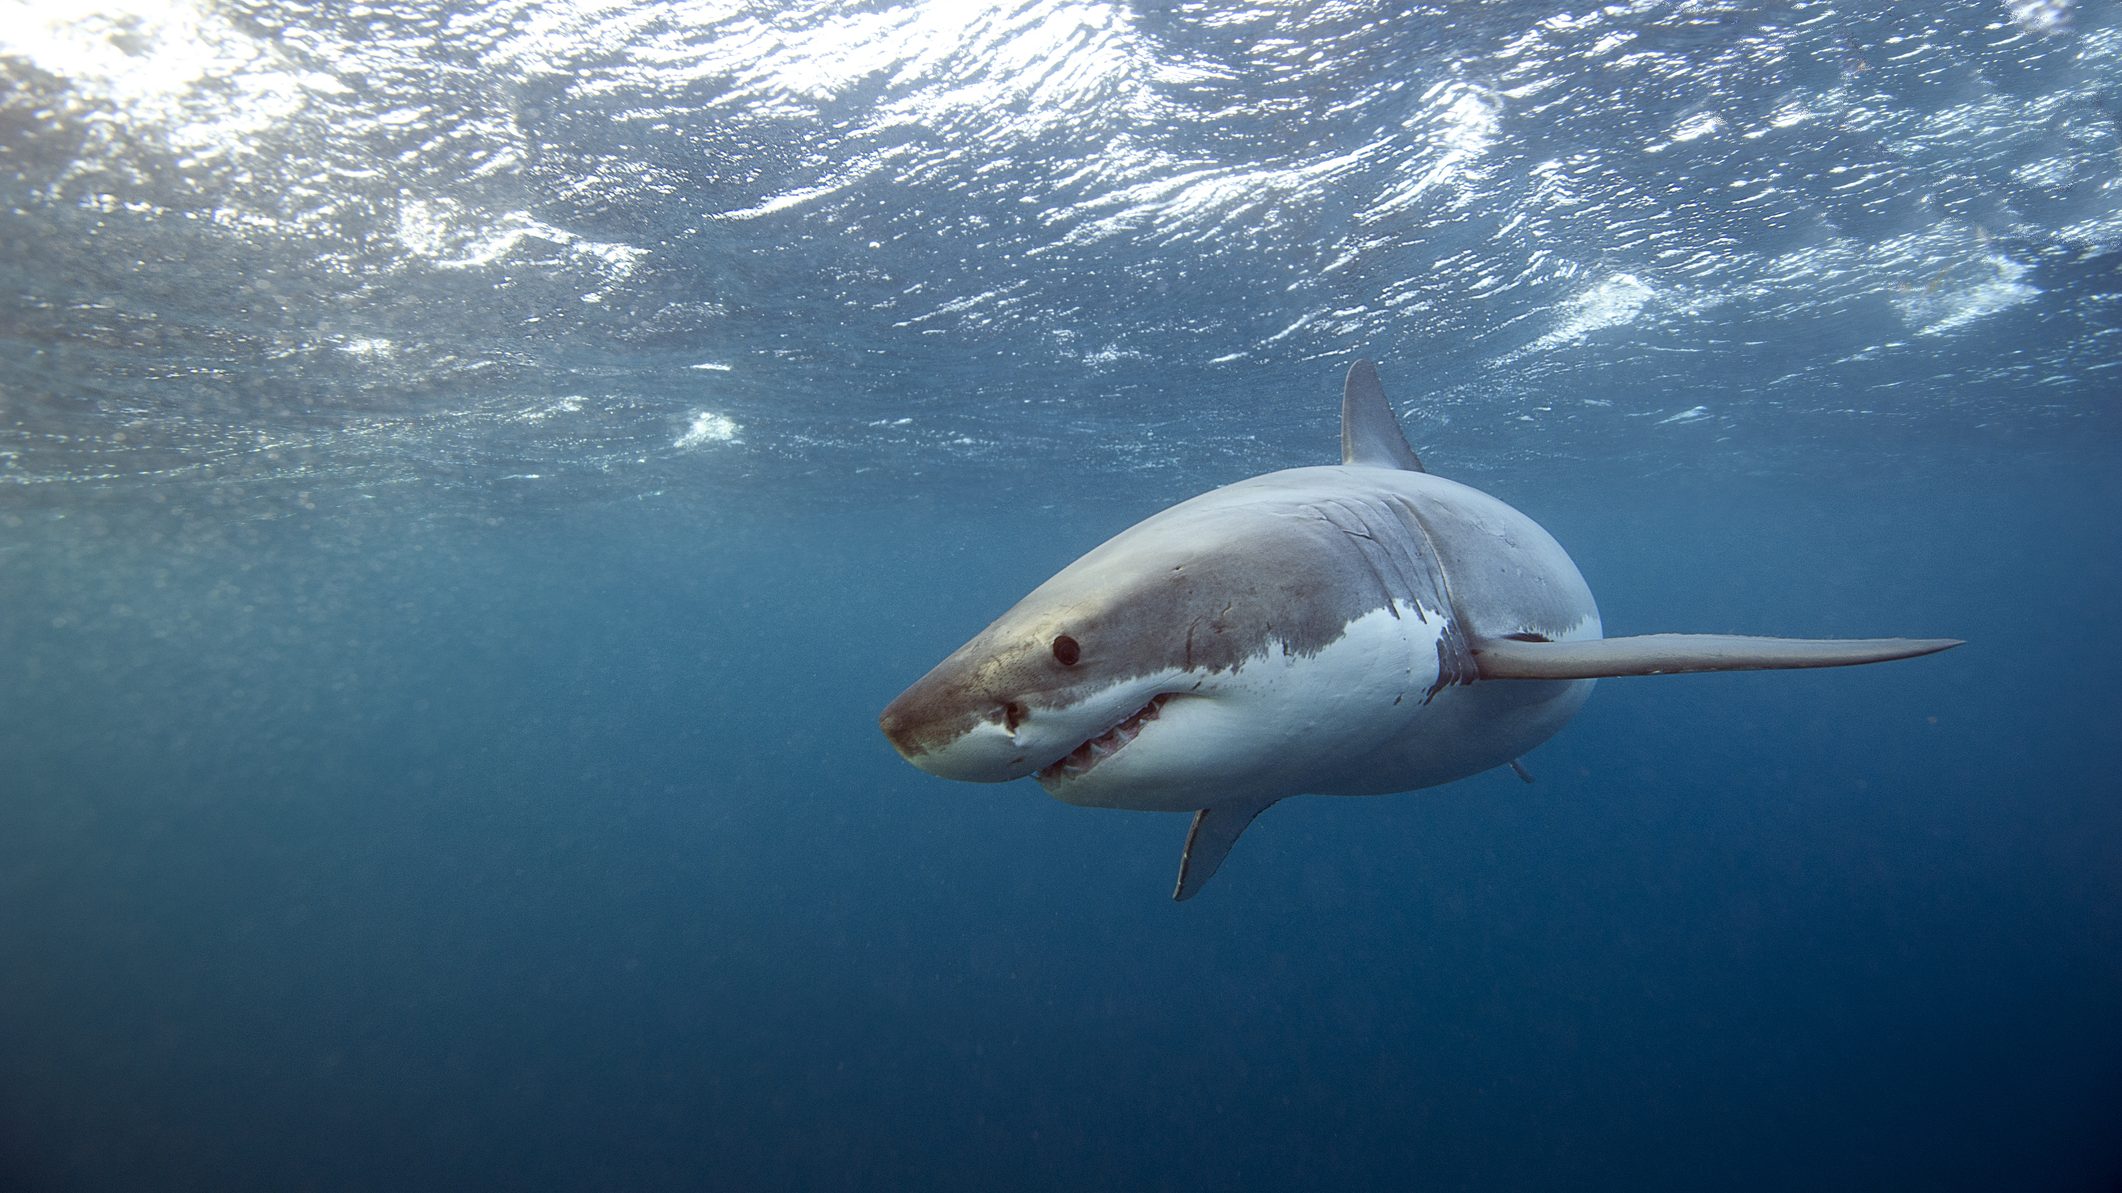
471, 474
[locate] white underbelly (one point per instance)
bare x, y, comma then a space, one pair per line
1463, 731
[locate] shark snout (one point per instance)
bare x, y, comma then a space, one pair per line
976, 744
903, 730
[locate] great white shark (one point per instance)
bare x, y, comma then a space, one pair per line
1355, 629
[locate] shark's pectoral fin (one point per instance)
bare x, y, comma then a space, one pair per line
1208, 842
1370, 435
1672, 654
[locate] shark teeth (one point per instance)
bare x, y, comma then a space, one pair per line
1080, 760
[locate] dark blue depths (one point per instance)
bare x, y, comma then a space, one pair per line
557, 849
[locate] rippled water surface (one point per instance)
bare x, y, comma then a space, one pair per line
470, 474
359, 245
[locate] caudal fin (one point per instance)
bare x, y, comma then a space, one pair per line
1675, 654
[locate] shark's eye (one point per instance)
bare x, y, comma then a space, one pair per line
1066, 652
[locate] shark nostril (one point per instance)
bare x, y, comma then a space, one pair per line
1013, 715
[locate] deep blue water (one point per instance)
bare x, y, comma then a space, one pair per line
437, 715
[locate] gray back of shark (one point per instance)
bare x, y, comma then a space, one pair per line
1343, 630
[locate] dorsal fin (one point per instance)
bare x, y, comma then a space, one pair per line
1208, 842
1370, 435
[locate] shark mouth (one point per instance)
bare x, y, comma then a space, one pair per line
1083, 758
